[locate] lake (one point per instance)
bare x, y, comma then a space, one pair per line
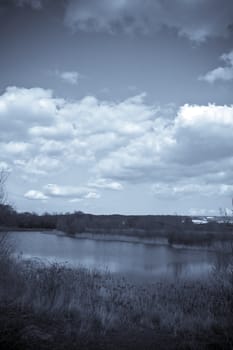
132, 260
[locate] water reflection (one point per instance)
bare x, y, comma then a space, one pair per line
143, 261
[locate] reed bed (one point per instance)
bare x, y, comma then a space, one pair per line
86, 304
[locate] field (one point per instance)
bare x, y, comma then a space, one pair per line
62, 308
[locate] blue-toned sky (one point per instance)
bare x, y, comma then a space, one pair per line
121, 106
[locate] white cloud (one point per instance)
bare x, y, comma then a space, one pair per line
115, 142
4, 166
196, 145
54, 190
72, 192
221, 73
39, 165
22, 109
35, 195
184, 189
92, 195
202, 133
70, 77
14, 147
197, 20
106, 184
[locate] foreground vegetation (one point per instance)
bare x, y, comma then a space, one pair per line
57, 307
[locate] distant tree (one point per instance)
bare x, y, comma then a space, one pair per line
8, 216
3, 178
5, 247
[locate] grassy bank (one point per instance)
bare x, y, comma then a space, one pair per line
56, 307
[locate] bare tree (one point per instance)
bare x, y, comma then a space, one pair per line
5, 248
3, 178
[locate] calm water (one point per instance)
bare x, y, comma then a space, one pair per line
135, 260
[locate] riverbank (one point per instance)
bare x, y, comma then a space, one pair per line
56, 307
217, 246
120, 238
224, 246
22, 229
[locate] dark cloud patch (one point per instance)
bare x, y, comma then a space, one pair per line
195, 19
34, 4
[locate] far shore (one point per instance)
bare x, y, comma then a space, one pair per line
216, 246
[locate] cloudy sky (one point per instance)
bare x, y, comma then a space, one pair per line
117, 106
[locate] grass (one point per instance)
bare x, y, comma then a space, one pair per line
60, 307
194, 235
202, 238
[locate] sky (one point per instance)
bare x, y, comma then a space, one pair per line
117, 106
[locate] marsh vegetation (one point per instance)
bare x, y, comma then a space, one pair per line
60, 307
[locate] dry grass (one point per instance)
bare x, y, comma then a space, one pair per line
89, 303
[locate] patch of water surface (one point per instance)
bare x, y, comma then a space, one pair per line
132, 260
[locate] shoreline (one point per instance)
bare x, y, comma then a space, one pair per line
217, 246
159, 241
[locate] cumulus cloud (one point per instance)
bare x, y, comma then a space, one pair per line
197, 20
54, 190
35, 195
22, 109
224, 73
39, 165
207, 129
117, 143
196, 145
72, 193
